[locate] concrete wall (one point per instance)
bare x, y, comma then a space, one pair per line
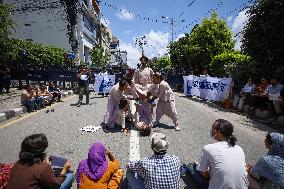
48, 26
45, 26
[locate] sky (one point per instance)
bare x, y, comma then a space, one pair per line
128, 20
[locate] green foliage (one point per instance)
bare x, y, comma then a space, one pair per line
99, 56
179, 53
209, 39
210, 45
263, 36
232, 63
37, 54
6, 23
161, 63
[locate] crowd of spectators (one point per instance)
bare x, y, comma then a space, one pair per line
266, 95
39, 96
222, 165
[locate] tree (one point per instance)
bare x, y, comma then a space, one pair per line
232, 63
72, 8
38, 54
99, 56
161, 63
179, 54
263, 36
6, 23
208, 39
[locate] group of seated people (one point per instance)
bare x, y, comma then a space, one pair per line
264, 96
39, 96
222, 165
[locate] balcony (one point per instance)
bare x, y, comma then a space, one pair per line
96, 7
90, 10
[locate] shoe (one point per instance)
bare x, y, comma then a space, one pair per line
105, 129
177, 127
79, 104
155, 124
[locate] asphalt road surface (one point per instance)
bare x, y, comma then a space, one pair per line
62, 130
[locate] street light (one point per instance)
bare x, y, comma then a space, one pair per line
172, 24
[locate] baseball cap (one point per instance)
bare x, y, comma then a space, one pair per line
159, 142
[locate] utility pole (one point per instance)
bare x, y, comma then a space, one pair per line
172, 25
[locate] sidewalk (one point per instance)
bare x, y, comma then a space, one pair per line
10, 104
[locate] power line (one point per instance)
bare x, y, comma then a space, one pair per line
155, 20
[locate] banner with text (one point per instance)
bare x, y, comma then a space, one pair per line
103, 83
210, 88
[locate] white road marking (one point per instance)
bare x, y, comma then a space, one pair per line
134, 153
134, 150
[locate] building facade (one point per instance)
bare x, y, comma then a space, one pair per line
45, 22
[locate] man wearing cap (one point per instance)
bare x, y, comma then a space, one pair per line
144, 74
160, 171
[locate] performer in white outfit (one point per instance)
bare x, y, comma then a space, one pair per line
166, 103
115, 96
144, 74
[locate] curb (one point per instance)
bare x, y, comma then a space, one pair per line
20, 110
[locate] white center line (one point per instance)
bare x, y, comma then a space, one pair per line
134, 150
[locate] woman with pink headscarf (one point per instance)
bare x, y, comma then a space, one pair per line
98, 169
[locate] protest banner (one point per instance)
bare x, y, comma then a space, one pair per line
210, 88
103, 83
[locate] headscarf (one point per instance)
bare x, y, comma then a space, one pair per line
271, 166
96, 164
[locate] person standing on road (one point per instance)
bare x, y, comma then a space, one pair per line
144, 74
222, 164
159, 171
83, 84
166, 104
5, 78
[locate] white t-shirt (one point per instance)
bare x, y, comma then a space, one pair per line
226, 166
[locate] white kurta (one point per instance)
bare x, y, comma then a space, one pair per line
166, 103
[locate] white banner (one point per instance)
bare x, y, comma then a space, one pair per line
103, 83
210, 88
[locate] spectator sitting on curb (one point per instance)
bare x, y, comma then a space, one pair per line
29, 99
33, 170
100, 170
159, 171
259, 98
268, 171
274, 90
44, 94
56, 93
244, 95
222, 164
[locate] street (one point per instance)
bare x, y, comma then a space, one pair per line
62, 130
